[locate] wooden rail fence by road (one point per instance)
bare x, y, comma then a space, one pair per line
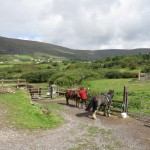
15, 82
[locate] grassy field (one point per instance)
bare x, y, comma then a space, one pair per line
134, 87
22, 114
138, 92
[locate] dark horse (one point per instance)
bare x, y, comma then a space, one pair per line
72, 94
34, 90
101, 100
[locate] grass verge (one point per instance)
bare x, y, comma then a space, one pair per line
23, 115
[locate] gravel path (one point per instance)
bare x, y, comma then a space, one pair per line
80, 132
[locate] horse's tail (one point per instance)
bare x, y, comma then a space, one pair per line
95, 104
90, 105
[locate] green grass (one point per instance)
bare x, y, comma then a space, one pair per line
24, 115
134, 88
95, 130
138, 92
24, 57
5, 66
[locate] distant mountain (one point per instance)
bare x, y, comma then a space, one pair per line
16, 46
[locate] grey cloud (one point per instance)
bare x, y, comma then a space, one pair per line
79, 24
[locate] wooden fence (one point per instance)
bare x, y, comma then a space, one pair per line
12, 82
144, 76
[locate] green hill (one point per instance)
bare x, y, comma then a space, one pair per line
16, 46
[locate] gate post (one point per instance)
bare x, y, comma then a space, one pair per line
125, 100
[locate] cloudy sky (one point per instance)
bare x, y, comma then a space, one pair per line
78, 24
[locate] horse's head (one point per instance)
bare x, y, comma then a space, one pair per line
111, 93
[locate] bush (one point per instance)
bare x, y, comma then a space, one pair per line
37, 77
146, 69
127, 75
63, 81
113, 75
134, 75
67, 78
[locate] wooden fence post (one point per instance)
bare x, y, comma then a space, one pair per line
124, 95
18, 84
139, 75
125, 100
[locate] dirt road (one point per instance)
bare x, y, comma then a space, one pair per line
80, 132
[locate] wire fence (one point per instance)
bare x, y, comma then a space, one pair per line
140, 108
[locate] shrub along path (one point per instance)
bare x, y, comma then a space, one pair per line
80, 132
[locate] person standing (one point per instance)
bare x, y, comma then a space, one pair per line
83, 96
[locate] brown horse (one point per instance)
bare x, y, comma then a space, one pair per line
101, 100
72, 94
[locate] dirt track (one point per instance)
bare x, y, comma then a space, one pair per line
80, 132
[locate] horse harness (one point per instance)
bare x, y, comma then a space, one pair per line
107, 97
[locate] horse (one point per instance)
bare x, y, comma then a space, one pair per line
72, 94
35, 90
101, 100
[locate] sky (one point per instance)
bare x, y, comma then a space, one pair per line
78, 24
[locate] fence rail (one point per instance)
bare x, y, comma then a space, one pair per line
141, 106
45, 93
139, 109
12, 82
144, 76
